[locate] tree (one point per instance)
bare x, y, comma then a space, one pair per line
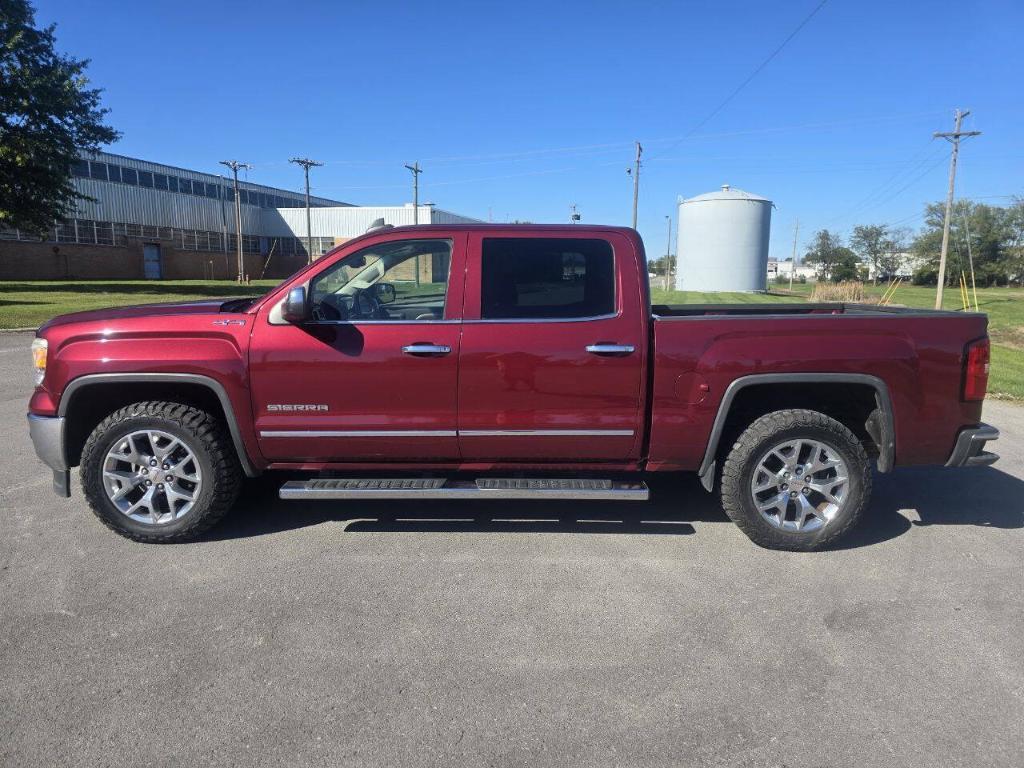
893, 249
978, 231
869, 242
48, 115
847, 266
834, 261
1015, 247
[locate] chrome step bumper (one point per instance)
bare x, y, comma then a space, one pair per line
969, 450
577, 489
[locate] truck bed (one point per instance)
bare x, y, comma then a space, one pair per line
700, 350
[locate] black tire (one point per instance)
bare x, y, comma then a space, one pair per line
767, 432
204, 435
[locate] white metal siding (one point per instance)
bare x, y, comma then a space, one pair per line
127, 204
349, 221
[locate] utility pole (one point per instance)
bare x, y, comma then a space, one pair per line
574, 215
668, 255
234, 165
306, 164
953, 137
635, 173
792, 264
416, 171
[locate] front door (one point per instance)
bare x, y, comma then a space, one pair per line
552, 360
373, 376
151, 261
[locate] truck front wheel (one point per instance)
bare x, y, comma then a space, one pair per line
796, 480
160, 472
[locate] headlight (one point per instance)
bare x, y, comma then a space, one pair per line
39, 349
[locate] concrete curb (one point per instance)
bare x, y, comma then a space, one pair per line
17, 330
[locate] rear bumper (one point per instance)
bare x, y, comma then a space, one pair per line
970, 447
47, 433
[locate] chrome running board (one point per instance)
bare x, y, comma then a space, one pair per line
483, 488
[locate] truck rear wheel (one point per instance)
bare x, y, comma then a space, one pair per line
160, 472
796, 480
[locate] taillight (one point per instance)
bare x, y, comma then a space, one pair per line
976, 370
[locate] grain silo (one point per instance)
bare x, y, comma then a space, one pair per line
723, 241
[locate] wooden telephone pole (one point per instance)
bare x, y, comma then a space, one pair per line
635, 173
416, 171
792, 264
306, 164
234, 165
953, 137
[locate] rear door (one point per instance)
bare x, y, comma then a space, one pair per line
552, 356
373, 376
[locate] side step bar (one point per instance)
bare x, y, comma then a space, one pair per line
483, 488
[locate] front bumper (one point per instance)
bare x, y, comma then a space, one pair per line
47, 433
970, 447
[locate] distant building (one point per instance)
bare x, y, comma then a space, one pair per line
151, 220
907, 264
782, 269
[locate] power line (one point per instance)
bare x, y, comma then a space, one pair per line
610, 147
757, 70
882, 201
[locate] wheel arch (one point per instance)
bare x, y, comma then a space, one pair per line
879, 425
110, 391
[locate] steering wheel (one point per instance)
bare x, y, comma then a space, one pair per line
331, 307
367, 306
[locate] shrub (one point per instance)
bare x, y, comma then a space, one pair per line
849, 291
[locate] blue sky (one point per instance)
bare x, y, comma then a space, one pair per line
518, 110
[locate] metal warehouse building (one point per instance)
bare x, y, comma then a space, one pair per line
150, 220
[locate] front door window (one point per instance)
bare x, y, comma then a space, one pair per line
399, 281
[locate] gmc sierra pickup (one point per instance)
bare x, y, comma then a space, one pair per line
496, 362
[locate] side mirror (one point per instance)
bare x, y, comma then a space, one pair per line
384, 292
295, 310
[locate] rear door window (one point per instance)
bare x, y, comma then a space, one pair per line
546, 278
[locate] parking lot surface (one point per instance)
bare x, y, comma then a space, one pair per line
464, 633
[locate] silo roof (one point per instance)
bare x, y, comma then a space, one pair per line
727, 193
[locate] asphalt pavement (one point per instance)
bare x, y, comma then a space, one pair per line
508, 633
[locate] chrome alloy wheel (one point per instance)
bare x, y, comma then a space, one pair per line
152, 477
800, 485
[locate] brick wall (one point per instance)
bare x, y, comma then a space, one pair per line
71, 261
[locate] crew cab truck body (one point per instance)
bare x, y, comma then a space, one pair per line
481, 361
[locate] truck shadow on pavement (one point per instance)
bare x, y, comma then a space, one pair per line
904, 499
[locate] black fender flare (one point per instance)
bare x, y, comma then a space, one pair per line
886, 438
175, 378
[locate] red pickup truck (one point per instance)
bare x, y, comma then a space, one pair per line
495, 362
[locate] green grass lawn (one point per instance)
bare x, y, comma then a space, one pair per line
28, 304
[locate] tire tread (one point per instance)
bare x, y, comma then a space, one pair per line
208, 430
741, 453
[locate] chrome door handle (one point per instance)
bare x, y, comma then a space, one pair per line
426, 349
610, 349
